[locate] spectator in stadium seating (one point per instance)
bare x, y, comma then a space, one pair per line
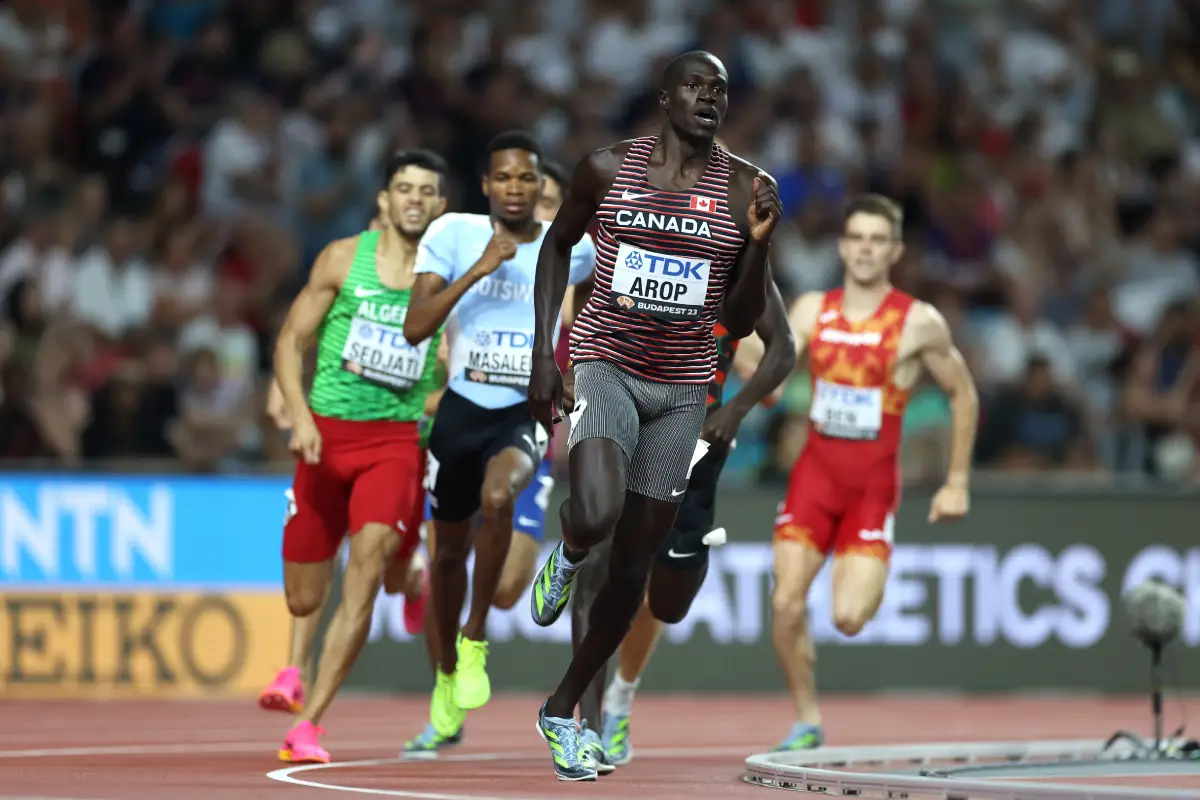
333, 190
241, 158
184, 285
199, 80
1159, 393
1033, 426
114, 289
19, 435
38, 259
212, 413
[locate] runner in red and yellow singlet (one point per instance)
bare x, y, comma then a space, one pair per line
867, 345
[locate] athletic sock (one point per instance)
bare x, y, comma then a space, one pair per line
618, 698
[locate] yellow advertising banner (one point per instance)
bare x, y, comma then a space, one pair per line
140, 644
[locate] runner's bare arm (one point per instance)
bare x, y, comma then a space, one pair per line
592, 179
778, 354
433, 398
433, 299
754, 205
947, 366
303, 319
802, 318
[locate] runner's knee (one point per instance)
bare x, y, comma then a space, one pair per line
306, 586
305, 600
593, 516
849, 623
453, 542
496, 501
789, 605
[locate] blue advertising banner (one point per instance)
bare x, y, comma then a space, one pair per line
130, 533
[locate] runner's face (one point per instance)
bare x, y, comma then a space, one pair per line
869, 247
550, 201
512, 186
413, 200
697, 103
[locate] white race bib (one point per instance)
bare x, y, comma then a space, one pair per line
499, 358
847, 412
378, 354
663, 286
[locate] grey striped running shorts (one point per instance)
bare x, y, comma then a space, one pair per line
656, 424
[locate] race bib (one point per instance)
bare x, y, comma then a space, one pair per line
378, 354
500, 358
662, 286
847, 412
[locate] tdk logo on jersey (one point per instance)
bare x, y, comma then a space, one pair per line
844, 396
667, 223
509, 340
384, 336
665, 266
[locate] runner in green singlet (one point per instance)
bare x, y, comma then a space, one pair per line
361, 467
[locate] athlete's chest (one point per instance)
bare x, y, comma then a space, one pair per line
856, 354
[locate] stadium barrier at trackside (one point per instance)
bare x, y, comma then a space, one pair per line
138, 585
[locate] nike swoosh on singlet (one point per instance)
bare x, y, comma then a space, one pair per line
361, 292
677, 492
628, 195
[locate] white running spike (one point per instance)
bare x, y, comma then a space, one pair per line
715, 538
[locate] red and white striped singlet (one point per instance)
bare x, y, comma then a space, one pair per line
662, 263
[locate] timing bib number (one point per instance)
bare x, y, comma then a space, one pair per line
500, 358
662, 286
847, 412
379, 354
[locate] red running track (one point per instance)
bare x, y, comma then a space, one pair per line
689, 746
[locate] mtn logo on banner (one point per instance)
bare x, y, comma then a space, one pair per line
704, 205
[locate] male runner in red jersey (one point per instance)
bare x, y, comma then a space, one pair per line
684, 229
867, 344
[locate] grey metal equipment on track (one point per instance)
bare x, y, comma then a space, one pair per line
895, 772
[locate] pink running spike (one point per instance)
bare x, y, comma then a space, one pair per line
301, 746
414, 610
286, 692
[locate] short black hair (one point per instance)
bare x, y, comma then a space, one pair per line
419, 157
670, 75
556, 172
511, 140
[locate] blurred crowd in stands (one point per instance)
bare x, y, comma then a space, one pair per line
169, 169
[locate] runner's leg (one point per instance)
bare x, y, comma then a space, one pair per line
316, 519
518, 569
675, 580
506, 475
370, 548
671, 417
529, 522
589, 582
804, 533
386, 510
862, 552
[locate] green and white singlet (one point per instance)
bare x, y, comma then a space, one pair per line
366, 371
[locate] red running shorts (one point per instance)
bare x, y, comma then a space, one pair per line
835, 517
370, 472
